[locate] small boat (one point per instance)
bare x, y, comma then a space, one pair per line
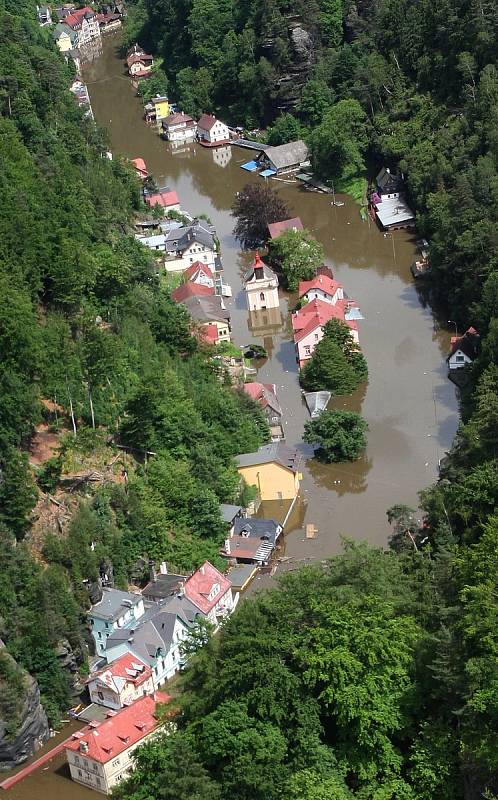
316, 402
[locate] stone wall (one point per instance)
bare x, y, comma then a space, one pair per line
32, 732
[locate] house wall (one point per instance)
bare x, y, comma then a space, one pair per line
101, 629
273, 481
162, 109
319, 294
218, 133
224, 333
306, 347
180, 133
64, 43
458, 360
105, 696
261, 296
102, 777
90, 29
139, 66
195, 252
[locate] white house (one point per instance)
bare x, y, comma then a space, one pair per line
116, 610
157, 637
44, 15
120, 683
85, 24
322, 287
188, 244
100, 755
211, 132
179, 127
464, 349
261, 286
200, 273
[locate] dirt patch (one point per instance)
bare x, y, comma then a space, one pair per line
44, 445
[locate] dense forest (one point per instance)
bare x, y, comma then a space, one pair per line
94, 352
375, 676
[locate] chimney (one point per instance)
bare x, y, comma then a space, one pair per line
83, 747
201, 570
152, 573
163, 568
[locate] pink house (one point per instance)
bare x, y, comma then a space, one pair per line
308, 322
140, 168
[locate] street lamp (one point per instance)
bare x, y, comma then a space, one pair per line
452, 322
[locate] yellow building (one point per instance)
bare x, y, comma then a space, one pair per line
161, 106
273, 469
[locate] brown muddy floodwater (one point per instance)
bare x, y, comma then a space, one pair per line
409, 404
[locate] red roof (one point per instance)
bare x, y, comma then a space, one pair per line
315, 314
265, 394
75, 19
190, 290
129, 667
210, 333
103, 741
199, 586
467, 343
163, 199
195, 269
276, 228
322, 282
140, 165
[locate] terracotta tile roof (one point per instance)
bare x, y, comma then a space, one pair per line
322, 282
210, 333
139, 165
315, 314
190, 290
163, 199
128, 667
103, 741
200, 585
276, 228
195, 269
75, 19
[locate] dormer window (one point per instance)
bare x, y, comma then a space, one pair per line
215, 589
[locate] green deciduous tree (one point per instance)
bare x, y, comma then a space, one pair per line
297, 256
338, 435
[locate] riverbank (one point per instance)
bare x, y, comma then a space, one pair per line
409, 404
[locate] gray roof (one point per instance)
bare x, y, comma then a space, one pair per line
287, 155
114, 603
180, 238
394, 211
206, 308
267, 529
277, 451
388, 182
239, 576
229, 512
61, 28
154, 631
163, 586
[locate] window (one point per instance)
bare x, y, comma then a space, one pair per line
261, 295
98, 781
307, 349
107, 624
460, 358
316, 337
100, 635
80, 774
115, 762
101, 695
76, 759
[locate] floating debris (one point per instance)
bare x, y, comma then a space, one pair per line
317, 402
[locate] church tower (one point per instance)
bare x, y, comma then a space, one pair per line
261, 286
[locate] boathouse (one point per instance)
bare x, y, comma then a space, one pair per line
284, 159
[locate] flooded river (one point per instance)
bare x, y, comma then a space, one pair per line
409, 404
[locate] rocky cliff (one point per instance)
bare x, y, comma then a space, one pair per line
23, 722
